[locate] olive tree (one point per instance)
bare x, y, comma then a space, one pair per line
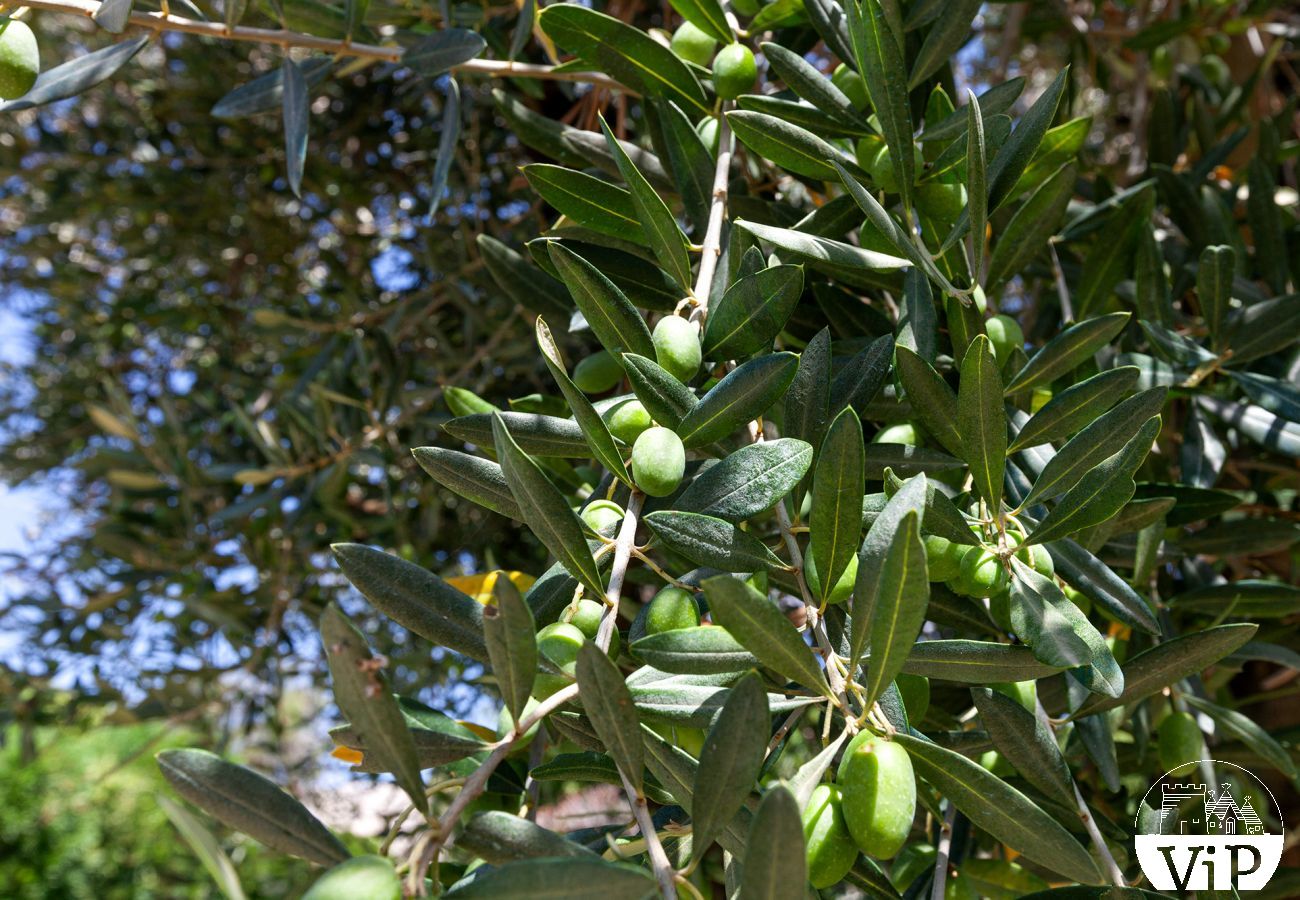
853, 584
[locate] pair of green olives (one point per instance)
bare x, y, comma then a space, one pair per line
868, 809
979, 571
734, 68
560, 642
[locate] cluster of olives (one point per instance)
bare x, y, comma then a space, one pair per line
20, 60
658, 457
734, 69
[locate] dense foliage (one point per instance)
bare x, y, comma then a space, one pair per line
918, 464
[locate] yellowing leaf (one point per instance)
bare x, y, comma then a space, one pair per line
480, 586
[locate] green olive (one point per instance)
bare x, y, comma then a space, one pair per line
677, 347
506, 722
20, 58
1023, 692
693, 44
601, 515
658, 461
994, 762
879, 794
982, 573
734, 71
903, 433
670, 609
941, 202
830, 847
842, 588
851, 85
628, 420
915, 691
707, 129
943, 558
586, 618
369, 876
558, 642
1005, 335
1179, 741
875, 156
1083, 601
598, 373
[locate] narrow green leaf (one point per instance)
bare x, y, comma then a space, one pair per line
1095, 580
498, 837
415, 598
666, 399
755, 621
819, 249
593, 426
438, 739
1251, 598
1033, 224
1010, 162
787, 145
266, 92
880, 61
933, 402
883, 221
752, 313
448, 138
436, 53
1038, 618
1265, 218
1100, 440
808, 82
808, 401
886, 594
546, 511
522, 282
511, 636
706, 15
839, 482
612, 317
1001, 810
730, 761
363, 696
776, 864
590, 201
608, 704
749, 481
1171, 661
995, 101
702, 650
707, 541
78, 75
981, 420
1262, 329
1026, 743
589, 765
624, 52
860, 379
976, 169
693, 700
246, 801
742, 396
975, 662
676, 769
690, 160
205, 846
573, 878
1214, 287
1075, 407
1059, 147
471, 477
113, 15
537, 434
661, 229
1101, 492
296, 114
1063, 353
1249, 733
950, 33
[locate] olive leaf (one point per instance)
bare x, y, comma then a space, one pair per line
975, 662
608, 704
1075, 407
1214, 287
742, 396
981, 420
838, 484
1067, 350
498, 837
1026, 742
511, 637
712, 542
752, 313
933, 400
1032, 225
891, 589
666, 399
776, 864
730, 761
535, 433
749, 481
591, 202
701, 650
572, 877
880, 61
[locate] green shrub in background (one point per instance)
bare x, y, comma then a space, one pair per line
1028, 557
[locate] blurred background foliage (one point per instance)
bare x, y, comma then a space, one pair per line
208, 381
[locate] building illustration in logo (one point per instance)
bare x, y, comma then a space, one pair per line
1220, 813
1192, 837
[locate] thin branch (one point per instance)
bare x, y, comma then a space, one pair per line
160, 22
663, 869
943, 850
717, 213
618, 571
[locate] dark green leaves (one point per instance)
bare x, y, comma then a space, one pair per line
499, 838
1101, 492
591, 202
436, 53
741, 397
664, 397
1025, 236
657, 222
266, 92
472, 477
792, 148
1067, 350
776, 865
362, 694
607, 702
981, 421
1075, 407
975, 662
250, 803
892, 590
701, 650
757, 623
951, 31
976, 163
545, 509
1171, 661
752, 313
624, 52
574, 878
730, 761
1214, 287
78, 75
612, 317
535, 433
415, 598
749, 481
932, 400
879, 56
838, 485
814, 248
511, 637
1010, 162
707, 541
1026, 743
296, 115
1001, 810
1040, 619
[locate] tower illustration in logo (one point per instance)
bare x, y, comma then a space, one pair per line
1200, 838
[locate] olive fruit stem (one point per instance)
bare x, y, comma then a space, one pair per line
663, 869
618, 571
711, 250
